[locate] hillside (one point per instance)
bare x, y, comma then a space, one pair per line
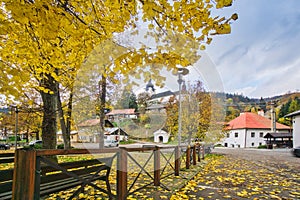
283, 104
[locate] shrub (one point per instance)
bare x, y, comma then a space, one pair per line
262, 147
219, 145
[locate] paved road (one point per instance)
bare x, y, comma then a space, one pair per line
273, 156
247, 174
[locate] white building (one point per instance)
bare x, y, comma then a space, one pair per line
161, 136
296, 127
249, 129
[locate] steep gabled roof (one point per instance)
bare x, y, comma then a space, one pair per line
162, 94
115, 131
254, 121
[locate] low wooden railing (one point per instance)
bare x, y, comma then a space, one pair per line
6, 175
24, 179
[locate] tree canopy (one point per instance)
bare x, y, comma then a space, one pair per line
45, 42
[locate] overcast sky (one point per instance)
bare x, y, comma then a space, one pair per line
261, 57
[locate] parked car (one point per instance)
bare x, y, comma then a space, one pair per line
35, 142
4, 146
296, 151
111, 143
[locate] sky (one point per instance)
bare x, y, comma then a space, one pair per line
261, 56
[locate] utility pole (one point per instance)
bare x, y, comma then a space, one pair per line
181, 72
273, 117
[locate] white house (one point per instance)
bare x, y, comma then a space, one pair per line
161, 136
73, 136
249, 129
296, 127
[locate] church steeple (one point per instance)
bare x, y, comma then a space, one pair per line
150, 85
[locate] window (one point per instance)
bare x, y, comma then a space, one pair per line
228, 135
261, 134
252, 144
252, 134
236, 134
260, 144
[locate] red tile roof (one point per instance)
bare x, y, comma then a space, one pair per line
122, 112
94, 122
254, 121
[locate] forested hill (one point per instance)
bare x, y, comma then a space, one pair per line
283, 105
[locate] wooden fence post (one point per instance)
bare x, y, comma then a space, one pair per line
122, 174
188, 157
194, 155
37, 178
24, 174
199, 152
177, 160
157, 166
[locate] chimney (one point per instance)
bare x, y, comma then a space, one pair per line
261, 112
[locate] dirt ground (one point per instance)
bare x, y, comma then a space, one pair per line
246, 174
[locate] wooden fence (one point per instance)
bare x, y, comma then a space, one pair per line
27, 164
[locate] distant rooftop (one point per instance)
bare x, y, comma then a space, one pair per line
293, 114
122, 112
162, 94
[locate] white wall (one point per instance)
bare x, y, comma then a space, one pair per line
296, 131
161, 133
235, 142
258, 139
245, 139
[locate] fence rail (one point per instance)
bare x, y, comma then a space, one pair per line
163, 157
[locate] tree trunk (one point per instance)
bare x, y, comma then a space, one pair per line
102, 91
63, 124
49, 125
69, 114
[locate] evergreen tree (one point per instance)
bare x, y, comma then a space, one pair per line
128, 100
294, 105
263, 104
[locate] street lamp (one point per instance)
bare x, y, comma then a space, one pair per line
180, 72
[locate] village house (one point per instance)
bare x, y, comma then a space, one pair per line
73, 136
88, 131
249, 130
296, 127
